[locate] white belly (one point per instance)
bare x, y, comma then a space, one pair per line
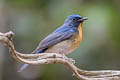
64, 47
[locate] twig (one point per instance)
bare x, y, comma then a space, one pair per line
53, 58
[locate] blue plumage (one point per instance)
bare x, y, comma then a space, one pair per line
59, 38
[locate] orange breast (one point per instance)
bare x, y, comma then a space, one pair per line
80, 32
78, 37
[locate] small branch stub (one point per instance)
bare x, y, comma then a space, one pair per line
53, 58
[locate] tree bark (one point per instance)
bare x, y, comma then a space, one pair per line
53, 58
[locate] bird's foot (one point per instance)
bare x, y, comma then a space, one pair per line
69, 59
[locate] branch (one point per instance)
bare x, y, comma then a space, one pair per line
53, 58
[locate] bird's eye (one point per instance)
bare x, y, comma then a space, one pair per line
74, 19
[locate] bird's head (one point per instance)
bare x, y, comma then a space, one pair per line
75, 20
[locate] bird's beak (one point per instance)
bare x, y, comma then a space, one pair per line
85, 18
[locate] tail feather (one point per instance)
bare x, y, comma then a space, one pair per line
23, 67
26, 65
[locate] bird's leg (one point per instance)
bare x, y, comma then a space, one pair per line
69, 59
65, 57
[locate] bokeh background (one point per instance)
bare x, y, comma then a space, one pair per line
32, 20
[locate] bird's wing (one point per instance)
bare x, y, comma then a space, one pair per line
54, 38
57, 36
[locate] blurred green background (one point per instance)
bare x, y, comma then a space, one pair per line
32, 20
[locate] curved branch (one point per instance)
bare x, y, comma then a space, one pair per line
53, 58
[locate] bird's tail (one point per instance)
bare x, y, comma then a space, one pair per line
26, 65
23, 67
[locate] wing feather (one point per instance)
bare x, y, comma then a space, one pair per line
54, 38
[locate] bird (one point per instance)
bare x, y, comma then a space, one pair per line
63, 40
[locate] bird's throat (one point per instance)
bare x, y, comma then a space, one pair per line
78, 37
80, 31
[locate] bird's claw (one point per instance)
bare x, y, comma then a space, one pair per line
71, 60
